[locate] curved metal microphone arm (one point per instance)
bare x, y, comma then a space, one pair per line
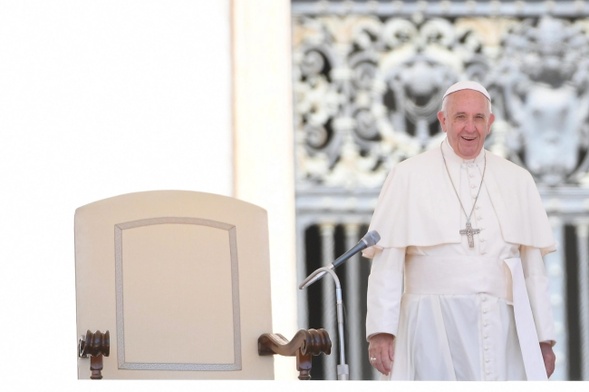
342, 368
370, 239
315, 276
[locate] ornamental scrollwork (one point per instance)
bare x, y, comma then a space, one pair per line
367, 90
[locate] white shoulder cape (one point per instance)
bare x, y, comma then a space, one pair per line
417, 205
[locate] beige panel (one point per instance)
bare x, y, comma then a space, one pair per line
160, 269
180, 280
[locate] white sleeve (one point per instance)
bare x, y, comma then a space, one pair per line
537, 284
385, 287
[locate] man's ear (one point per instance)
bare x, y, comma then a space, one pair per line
491, 121
442, 120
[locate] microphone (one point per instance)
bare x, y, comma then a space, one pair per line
371, 238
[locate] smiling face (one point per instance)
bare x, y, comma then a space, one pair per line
466, 118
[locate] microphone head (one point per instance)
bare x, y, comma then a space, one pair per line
371, 238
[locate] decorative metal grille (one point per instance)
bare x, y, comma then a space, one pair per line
368, 76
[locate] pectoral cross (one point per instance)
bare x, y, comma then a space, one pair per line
469, 231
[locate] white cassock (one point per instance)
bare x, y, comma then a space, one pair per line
453, 308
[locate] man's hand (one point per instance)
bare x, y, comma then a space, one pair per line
381, 351
549, 357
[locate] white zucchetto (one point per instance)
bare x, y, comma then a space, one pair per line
467, 85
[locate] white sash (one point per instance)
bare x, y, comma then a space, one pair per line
524, 324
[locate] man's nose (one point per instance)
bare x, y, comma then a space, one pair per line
470, 125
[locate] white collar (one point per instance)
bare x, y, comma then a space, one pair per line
451, 155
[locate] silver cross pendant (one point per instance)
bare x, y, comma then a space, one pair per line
469, 231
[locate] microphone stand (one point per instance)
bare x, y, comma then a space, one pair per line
342, 368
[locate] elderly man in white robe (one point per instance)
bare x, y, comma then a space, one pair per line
458, 288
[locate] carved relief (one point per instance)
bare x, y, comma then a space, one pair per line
542, 78
367, 90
